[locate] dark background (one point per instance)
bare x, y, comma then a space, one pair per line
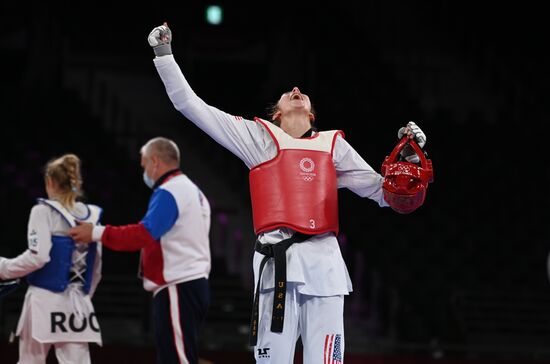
463, 277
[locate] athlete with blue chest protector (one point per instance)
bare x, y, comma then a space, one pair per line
62, 274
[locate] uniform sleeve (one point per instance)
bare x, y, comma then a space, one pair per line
247, 139
355, 174
160, 217
39, 246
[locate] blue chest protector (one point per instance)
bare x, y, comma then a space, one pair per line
56, 274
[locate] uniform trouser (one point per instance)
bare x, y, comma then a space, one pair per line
34, 352
178, 314
319, 321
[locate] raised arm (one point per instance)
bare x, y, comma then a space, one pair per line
244, 138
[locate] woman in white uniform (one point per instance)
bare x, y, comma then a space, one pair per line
300, 276
62, 275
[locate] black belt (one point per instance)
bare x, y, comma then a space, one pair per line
278, 252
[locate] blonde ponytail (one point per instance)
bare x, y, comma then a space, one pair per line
65, 171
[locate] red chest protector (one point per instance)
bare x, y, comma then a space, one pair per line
298, 188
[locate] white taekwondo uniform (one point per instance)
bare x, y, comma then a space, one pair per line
316, 272
58, 311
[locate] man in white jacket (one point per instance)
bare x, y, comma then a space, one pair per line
173, 238
294, 177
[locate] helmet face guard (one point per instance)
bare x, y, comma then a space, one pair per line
405, 183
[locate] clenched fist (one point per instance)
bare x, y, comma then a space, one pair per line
160, 39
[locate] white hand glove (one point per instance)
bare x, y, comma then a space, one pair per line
160, 39
412, 131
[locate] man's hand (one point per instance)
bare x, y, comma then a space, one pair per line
82, 233
413, 131
160, 39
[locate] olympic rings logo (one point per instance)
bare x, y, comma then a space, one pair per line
307, 168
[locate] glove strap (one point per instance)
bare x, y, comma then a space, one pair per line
163, 50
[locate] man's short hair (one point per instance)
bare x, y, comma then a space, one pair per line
163, 148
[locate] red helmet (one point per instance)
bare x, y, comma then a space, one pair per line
405, 183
